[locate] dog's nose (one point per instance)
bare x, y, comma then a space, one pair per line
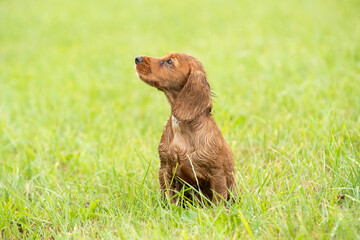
138, 60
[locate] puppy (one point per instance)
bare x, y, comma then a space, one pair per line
192, 149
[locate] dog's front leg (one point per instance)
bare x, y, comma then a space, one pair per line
218, 187
167, 184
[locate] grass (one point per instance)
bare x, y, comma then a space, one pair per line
79, 131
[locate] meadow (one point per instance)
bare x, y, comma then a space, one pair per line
79, 132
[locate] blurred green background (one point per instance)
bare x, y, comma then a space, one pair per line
79, 132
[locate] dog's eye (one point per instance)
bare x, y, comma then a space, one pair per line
169, 62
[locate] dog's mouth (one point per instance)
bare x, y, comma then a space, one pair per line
144, 73
142, 70
141, 75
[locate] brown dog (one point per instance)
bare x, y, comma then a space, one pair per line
192, 149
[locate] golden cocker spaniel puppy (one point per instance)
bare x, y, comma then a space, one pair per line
192, 149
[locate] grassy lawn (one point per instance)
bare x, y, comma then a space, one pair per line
79, 132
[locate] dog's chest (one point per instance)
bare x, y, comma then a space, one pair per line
175, 125
180, 141
178, 144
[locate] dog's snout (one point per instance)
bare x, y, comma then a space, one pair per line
138, 60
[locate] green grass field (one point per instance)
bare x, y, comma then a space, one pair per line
79, 132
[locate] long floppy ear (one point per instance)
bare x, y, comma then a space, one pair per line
194, 98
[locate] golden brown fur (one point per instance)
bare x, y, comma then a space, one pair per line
192, 148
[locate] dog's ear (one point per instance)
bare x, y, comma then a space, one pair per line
194, 98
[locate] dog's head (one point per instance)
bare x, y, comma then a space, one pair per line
181, 75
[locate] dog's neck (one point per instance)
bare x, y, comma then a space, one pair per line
171, 97
177, 124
